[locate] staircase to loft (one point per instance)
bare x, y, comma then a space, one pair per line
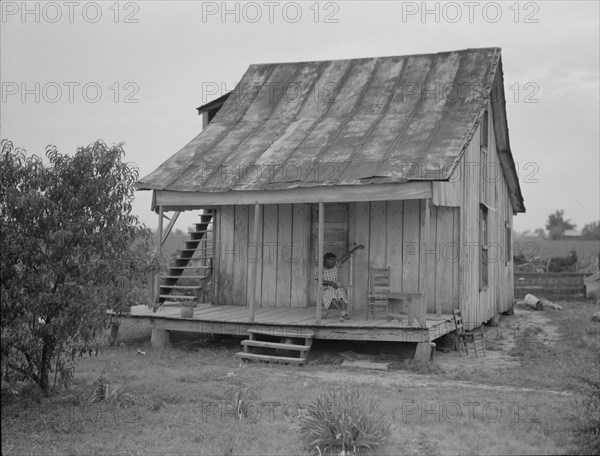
190, 272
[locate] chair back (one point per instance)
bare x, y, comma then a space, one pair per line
458, 321
379, 284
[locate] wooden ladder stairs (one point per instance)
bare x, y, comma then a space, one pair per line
192, 266
282, 351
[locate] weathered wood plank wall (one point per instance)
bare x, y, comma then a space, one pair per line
282, 255
389, 230
481, 304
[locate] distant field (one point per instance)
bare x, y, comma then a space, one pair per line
587, 251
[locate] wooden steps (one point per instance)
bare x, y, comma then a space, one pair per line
172, 296
270, 359
281, 349
182, 287
177, 277
193, 264
283, 346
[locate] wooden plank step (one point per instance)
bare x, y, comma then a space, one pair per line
183, 277
278, 333
262, 343
172, 296
182, 287
270, 358
190, 267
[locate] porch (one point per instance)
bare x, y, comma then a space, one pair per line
292, 322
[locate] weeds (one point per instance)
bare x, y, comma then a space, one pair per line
240, 396
344, 422
416, 367
588, 417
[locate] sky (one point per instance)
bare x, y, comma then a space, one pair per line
76, 71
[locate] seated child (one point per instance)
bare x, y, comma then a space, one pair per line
333, 293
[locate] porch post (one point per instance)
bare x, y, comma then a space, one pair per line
423, 261
161, 214
252, 276
320, 262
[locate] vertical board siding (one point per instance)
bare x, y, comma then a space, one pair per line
395, 219
301, 267
228, 254
378, 235
269, 255
394, 240
447, 193
431, 257
410, 255
284, 256
469, 233
254, 255
479, 306
446, 249
240, 246
390, 231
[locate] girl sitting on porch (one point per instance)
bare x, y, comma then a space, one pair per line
333, 293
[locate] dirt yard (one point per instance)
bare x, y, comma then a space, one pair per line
526, 396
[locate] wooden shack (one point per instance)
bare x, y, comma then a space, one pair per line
408, 156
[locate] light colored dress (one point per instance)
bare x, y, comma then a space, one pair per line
330, 293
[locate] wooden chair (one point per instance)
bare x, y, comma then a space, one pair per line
378, 296
475, 337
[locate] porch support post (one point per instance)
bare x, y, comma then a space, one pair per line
423, 270
161, 215
170, 227
320, 262
253, 265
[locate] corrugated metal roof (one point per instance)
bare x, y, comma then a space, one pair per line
339, 122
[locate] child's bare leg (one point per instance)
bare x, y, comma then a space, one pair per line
337, 304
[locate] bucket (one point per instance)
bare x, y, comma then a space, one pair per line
187, 311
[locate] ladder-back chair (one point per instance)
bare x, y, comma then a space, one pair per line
378, 297
475, 337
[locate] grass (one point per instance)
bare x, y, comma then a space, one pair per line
184, 400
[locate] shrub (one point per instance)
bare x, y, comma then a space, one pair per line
344, 422
563, 264
72, 252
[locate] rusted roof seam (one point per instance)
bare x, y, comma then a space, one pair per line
359, 100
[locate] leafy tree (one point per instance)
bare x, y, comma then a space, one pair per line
557, 225
591, 231
71, 252
540, 233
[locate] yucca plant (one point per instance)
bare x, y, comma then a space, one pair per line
344, 422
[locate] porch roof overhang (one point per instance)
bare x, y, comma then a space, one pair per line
175, 200
339, 124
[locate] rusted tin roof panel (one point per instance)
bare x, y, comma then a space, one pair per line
340, 122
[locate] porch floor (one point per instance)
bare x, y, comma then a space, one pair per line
294, 322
